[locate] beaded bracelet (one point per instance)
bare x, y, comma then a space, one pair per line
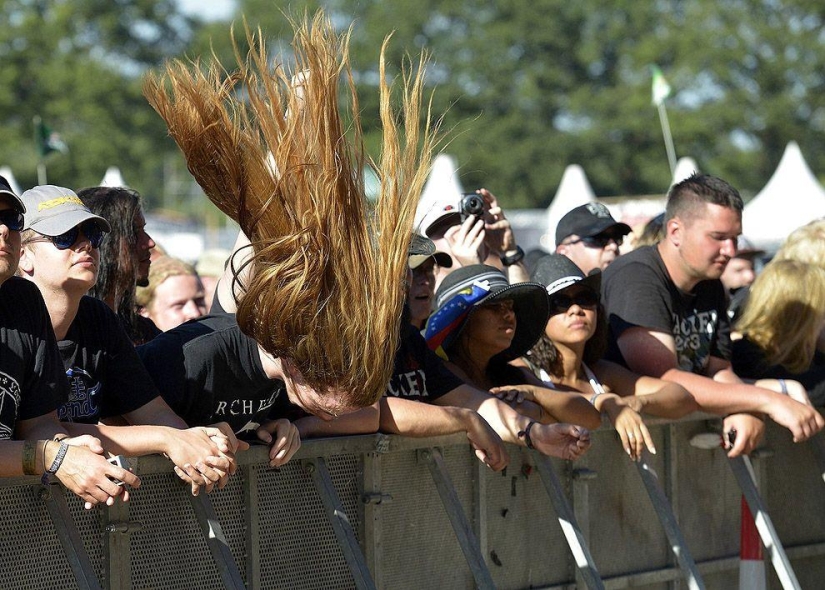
58, 461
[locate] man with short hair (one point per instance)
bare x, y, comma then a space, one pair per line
667, 313
32, 384
590, 237
174, 294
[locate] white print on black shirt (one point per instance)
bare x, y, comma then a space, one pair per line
246, 407
694, 335
410, 384
9, 404
84, 397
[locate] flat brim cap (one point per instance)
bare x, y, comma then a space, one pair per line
586, 221
16, 202
441, 259
53, 210
530, 305
556, 272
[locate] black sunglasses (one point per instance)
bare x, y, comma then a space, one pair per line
560, 302
600, 240
64, 241
12, 219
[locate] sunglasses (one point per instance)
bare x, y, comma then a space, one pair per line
66, 240
12, 219
560, 302
599, 240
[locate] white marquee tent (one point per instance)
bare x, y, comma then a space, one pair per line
574, 190
791, 198
443, 186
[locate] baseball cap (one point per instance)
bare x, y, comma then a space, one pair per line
53, 210
440, 215
586, 221
5, 189
557, 272
422, 249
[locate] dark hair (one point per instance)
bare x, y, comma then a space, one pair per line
117, 278
684, 198
545, 355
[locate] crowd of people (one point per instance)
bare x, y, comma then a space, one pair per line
109, 350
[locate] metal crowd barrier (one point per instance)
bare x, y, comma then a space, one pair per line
390, 512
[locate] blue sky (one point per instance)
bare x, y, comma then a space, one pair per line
208, 10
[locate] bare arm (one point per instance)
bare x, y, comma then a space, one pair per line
228, 288
364, 421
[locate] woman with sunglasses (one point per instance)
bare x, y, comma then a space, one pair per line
567, 358
108, 383
482, 323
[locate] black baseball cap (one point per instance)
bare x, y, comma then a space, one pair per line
5, 189
586, 221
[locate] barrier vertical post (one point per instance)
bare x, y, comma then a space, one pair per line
216, 541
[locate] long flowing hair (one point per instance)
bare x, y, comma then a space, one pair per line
326, 287
785, 311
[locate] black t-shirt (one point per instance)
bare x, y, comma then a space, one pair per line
419, 374
750, 362
208, 371
31, 375
106, 377
638, 292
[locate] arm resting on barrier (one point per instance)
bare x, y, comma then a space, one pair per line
364, 421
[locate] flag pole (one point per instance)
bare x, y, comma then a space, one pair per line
38, 141
671, 152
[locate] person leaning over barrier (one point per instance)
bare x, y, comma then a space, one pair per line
668, 315
567, 357
559, 440
60, 254
783, 329
32, 382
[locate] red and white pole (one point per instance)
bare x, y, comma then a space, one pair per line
751, 563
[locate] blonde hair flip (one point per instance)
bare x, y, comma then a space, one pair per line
326, 288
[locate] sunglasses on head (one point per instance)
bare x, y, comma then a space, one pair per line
90, 229
600, 240
12, 219
561, 302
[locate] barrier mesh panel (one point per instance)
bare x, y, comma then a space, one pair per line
298, 547
525, 543
31, 556
420, 549
170, 550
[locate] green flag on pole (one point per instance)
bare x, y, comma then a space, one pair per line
661, 89
47, 140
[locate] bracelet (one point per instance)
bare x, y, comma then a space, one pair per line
783, 386
58, 461
29, 453
594, 397
510, 260
525, 434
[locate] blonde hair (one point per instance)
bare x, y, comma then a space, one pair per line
161, 269
805, 244
785, 312
327, 282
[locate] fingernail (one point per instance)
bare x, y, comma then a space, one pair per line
653, 450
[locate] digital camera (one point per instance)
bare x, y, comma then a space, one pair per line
471, 204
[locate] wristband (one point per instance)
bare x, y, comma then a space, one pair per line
783, 386
594, 397
512, 258
29, 452
58, 461
525, 434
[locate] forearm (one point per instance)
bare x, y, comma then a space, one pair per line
517, 273
156, 413
572, 408
132, 441
671, 401
364, 421
721, 397
419, 419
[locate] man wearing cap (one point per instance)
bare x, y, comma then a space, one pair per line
423, 258
471, 239
589, 236
31, 384
107, 382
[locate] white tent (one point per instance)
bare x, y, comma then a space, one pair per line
442, 187
791, 198
684, 168
574, 190
113, 178
6, 173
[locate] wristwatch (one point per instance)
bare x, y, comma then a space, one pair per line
511, 259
